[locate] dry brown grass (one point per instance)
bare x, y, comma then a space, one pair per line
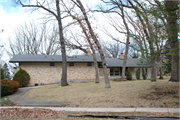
139, 93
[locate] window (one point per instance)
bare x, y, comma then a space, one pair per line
19, 64
52, 64
111, 71
116, 70
71, 64
99, 64
89, 64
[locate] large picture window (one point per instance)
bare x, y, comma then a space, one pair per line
116, 71
111, 71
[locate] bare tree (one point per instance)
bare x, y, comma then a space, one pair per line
88, 39
113, 49
118, 8
48, 6
31, 38
94, 37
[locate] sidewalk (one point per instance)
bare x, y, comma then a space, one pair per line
72, 109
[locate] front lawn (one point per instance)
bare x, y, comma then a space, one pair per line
139, 93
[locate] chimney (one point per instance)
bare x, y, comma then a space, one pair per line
89, 53
121, 56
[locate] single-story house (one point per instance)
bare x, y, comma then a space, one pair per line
44, 69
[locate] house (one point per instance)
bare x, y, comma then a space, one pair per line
48, 68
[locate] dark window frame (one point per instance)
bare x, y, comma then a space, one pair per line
52, 64
100, 64
89, 64
71, 64
115, 72
111, 71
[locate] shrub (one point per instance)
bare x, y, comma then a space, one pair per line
8, 87
5, 90
144, 75
2, 74
128, 74
137, 74
35, 84
22, 77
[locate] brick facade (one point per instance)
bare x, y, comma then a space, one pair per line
44, 73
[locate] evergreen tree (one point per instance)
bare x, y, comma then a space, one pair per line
128, 74
6, 71
137, 74
144, 74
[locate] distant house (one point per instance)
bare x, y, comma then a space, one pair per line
48, 68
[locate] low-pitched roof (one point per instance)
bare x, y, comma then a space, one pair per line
111, 62
52, 58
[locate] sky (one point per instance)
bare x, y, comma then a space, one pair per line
13, 15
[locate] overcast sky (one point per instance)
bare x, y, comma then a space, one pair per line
12, 15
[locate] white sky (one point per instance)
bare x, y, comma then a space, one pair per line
11, 17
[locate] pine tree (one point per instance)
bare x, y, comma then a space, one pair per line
6, 71
144, 75
128, 74
137, 74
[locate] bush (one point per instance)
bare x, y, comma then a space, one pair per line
35, 84
137, 74
144, 75
2, 74
8, 87
22, 77
5, 90
128, 74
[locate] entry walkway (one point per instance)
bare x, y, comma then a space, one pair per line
19, 98
76, 109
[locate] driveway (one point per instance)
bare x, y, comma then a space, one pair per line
18, 97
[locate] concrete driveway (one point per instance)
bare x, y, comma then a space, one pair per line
18, 97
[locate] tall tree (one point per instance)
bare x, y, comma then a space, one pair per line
118, 8
46, 5
6, 71
94, 37
88, 39
172, 8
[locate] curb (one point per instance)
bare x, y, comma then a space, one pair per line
73, 109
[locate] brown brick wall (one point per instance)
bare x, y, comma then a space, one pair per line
44, 73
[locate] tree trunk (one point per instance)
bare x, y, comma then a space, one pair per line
96, 67
161, 73
172, 30
127, 43
175, 70
63, 49
153, 73
94, 55
107, 84
125, 59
